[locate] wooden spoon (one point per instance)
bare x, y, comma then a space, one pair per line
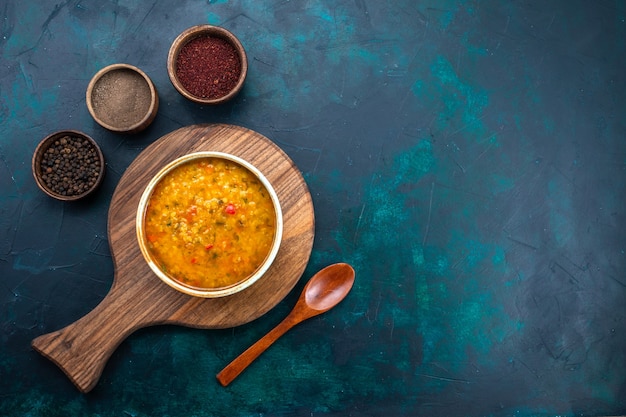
323, 291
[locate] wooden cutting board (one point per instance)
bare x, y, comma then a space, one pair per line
138, 298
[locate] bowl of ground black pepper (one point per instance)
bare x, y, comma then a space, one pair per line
68, 165
207, 64
122, 98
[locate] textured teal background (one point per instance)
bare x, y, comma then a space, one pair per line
468, 158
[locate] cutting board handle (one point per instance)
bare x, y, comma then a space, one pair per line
83, 348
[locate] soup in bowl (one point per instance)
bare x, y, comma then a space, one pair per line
209, 224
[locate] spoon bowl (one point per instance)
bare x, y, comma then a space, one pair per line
324, 290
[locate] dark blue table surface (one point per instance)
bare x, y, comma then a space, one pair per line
468, 158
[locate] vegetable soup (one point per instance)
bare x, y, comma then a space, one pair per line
210, 223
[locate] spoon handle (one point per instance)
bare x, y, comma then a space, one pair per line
241, 362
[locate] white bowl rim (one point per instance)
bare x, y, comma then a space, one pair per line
213, 292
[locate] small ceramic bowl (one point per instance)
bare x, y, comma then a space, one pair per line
122, 98
207, 64
209, 224
68, 165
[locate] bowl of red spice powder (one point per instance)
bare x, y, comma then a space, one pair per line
207, 64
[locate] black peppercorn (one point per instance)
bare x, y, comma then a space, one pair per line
70, 166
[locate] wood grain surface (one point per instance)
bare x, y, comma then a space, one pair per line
138, 298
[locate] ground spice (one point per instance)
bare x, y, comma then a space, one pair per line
121, 98
208, 67
70, 166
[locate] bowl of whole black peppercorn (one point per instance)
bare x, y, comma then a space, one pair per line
68, 165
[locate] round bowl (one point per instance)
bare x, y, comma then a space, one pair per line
122, 98
209, 224
202, 64
68, 165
